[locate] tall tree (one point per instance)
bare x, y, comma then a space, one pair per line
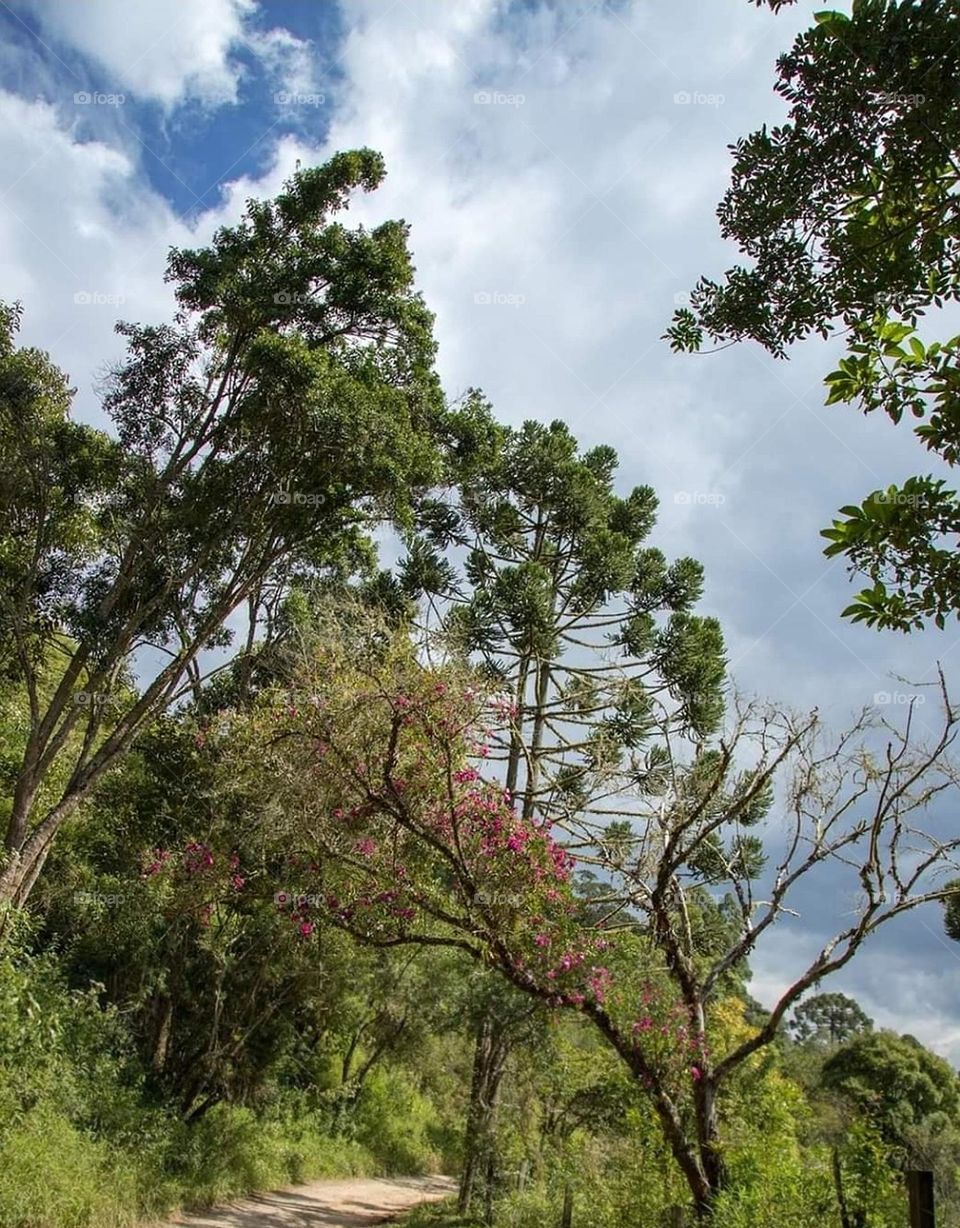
291, 404
563, 604
848, 215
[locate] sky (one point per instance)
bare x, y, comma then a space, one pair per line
559, 165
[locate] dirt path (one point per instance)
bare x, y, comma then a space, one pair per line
353, 1203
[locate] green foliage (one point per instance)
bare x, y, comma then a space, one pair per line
231, 1151
290, 408
894, 1080
82, 1144
54, 1176
396, 1123
847, 215
951, 911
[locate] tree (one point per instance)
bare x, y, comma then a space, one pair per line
502, 1018
291, 405
587, 631
894, 1080
828, 1019
372, 773
951, 911
848, 216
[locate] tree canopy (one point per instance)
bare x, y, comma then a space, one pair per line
847, 214
290, 407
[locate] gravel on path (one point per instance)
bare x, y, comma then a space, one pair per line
353, 1203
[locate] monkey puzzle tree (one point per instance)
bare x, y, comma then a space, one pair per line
586, 629
291, 404
848, 216
828, 1019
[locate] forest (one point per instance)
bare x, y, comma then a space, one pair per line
378, 795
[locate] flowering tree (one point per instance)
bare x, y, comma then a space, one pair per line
375, 784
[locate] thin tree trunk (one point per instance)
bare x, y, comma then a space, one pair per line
479, 1160
470, 1143
845, 1221
161, 1046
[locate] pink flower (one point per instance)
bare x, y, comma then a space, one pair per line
643, 1025
366, 847
696, 1073
542, 940
306, 929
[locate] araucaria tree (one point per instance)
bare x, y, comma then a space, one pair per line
584, 627
291, 404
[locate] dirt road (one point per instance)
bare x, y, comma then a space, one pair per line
353, 1203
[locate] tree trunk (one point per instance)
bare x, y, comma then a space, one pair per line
708, 1141
838, 1186
163, 1013
479, 1158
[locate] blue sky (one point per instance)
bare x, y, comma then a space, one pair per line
560, 166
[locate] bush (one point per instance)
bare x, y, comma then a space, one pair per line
54, 1176
82, 1146
231, 1152
396, 1123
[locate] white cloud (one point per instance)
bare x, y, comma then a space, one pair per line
103, 241
170, 53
